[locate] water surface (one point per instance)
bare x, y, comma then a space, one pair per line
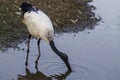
93, 54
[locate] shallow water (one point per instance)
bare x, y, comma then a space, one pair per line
93, 54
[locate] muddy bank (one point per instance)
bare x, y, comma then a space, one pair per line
66, 15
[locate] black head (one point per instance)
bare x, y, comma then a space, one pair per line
26, 7
64, 57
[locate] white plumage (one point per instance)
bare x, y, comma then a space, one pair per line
39, 25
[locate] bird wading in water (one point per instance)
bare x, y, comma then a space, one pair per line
40, 26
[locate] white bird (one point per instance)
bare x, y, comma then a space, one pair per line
40, 26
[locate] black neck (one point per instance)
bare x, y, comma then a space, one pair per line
54, 48
32, 9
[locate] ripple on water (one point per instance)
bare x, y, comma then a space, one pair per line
58, 71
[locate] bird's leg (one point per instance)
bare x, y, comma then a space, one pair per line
28, 47
36, 62
63, 56
38, 46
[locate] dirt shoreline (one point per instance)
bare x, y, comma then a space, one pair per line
66, 15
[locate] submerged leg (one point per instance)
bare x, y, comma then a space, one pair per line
63, 56
38, 43
28, 49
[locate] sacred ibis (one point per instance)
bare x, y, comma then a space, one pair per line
40, 26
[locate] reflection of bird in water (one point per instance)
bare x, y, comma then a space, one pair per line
33, 76
40, 76
40, 26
